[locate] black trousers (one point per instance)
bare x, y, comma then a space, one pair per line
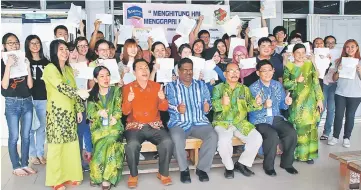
160, 138
280, 130
350, 105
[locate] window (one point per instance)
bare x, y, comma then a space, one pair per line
20, 4
244, 6
118, 4
215, 2
296, 7
63, 4
300, 25
327, 7
169, 2
352, 7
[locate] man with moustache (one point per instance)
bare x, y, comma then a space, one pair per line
189, 102
231, 102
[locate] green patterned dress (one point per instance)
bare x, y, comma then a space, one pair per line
108, 151
63, 158
235, 113
304, 114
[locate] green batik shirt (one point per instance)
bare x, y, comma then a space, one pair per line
235, 113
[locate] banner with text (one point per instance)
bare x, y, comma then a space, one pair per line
168, 16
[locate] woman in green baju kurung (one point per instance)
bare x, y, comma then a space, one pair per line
104, 111
301, 79
63, 112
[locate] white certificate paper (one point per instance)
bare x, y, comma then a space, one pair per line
234, 43
112, 65
125, 32
84, 72
269, 9
249, 63
105, 18
185, 26
19, 68
230, 27
158, 35
348, 69
142, 35
164, 75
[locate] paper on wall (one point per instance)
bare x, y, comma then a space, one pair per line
19, 68
249, 63
235, 41
105, 18
230, 27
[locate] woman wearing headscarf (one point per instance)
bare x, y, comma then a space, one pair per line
247, 76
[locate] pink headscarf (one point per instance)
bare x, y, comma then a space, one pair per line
244, 72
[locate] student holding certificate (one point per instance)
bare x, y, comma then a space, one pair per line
348, 91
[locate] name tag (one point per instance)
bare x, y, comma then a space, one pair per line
269, 111
105, 122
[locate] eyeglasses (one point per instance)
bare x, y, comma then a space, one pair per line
35, 43
331, 43
266, 71
83, 46
13, 43
233, 71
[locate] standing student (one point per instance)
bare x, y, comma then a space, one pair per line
204, 35
64, 111
222, 47
34, 53
18, 107
61, 31
301, 79
82, 46
246, 76
158, 51
280, 33
105, 112
347, 95
198, 48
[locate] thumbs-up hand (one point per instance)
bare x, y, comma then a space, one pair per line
259, 99
288, 99
161, 94
131, 95
300, 78
206, 106
182, 108
225, 99
268, 103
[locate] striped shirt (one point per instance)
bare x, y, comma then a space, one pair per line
193, 97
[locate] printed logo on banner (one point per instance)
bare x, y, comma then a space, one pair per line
220, 15
134, 12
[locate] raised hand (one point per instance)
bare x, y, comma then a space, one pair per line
182, 108
131, 95
226, 100
259, 99
161, 94
206, 106
300, 78
97, 24
288, 99
268, 103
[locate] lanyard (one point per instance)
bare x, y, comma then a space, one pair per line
262, 90
104, 103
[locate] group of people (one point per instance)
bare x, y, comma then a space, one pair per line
276, 104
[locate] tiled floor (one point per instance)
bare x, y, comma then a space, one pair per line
323, 175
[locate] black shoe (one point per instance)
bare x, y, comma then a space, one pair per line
203, 176
270, 172
185, 177
242, 169
291, 170
310, 161
250, 171
228, 174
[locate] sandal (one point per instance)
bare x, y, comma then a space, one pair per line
42, 160
93, 184
29, 170
20, 172
34, 160
106, 187
323, 137
59, 187
73, 183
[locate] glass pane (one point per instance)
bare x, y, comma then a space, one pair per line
63, 4
118, 4
353, 7
170, 2
215, 2
244, 6
296, 7
300, 25
20, 4
327, 7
